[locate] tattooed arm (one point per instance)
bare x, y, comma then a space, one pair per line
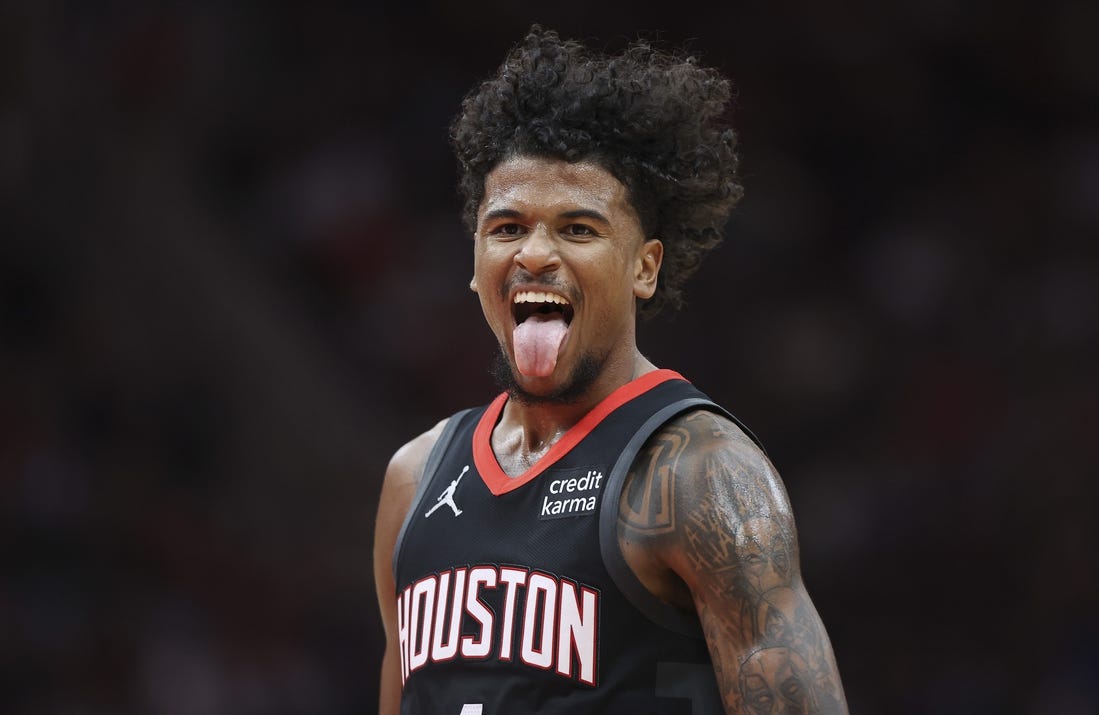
706, 525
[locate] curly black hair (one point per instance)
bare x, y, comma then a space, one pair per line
651, 118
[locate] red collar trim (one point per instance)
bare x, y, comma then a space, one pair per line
500, 483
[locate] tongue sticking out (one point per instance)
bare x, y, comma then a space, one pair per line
537, 340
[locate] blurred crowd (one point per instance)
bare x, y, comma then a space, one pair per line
233, 281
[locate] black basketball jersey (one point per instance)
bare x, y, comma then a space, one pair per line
512, 593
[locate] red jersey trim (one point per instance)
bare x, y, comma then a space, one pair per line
500, 483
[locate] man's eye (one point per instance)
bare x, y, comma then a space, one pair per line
579, 229
793, 690
507, 229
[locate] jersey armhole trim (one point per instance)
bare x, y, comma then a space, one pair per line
657, 611
434, 458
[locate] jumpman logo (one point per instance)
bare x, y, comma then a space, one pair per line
447, 497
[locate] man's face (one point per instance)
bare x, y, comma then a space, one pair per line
765, 553
783, 618
559, 260
775, 681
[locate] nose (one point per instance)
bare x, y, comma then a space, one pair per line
538, 252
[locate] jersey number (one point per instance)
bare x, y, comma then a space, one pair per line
471, 709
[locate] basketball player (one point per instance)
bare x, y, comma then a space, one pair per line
600, 538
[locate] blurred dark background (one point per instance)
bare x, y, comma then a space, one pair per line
233, 281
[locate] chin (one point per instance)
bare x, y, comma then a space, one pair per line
572, 390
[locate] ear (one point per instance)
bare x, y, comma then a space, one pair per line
647, 268
473, 280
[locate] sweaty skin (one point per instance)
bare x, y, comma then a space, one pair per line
548, 225
704, 521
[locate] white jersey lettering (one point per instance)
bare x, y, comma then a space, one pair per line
419, 629
557, 621
441, 651
541, 605
481, 646
513, 578
577, 630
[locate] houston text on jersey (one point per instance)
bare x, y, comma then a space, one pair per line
555, 618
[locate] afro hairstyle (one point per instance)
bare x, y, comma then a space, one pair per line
651, 118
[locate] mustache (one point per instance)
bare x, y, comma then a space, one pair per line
529, 280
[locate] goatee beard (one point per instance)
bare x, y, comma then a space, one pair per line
580, 381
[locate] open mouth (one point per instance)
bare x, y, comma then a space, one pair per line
541, 325
527, 303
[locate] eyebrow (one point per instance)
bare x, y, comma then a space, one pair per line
501, 213
585, 213
577, 213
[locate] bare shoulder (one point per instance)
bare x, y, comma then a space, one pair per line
407, 464
703, 508
705, 522
729, 526
702, 463
402, 477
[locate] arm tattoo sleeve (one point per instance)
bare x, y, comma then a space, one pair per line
710, 504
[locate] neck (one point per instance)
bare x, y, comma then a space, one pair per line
526, 431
